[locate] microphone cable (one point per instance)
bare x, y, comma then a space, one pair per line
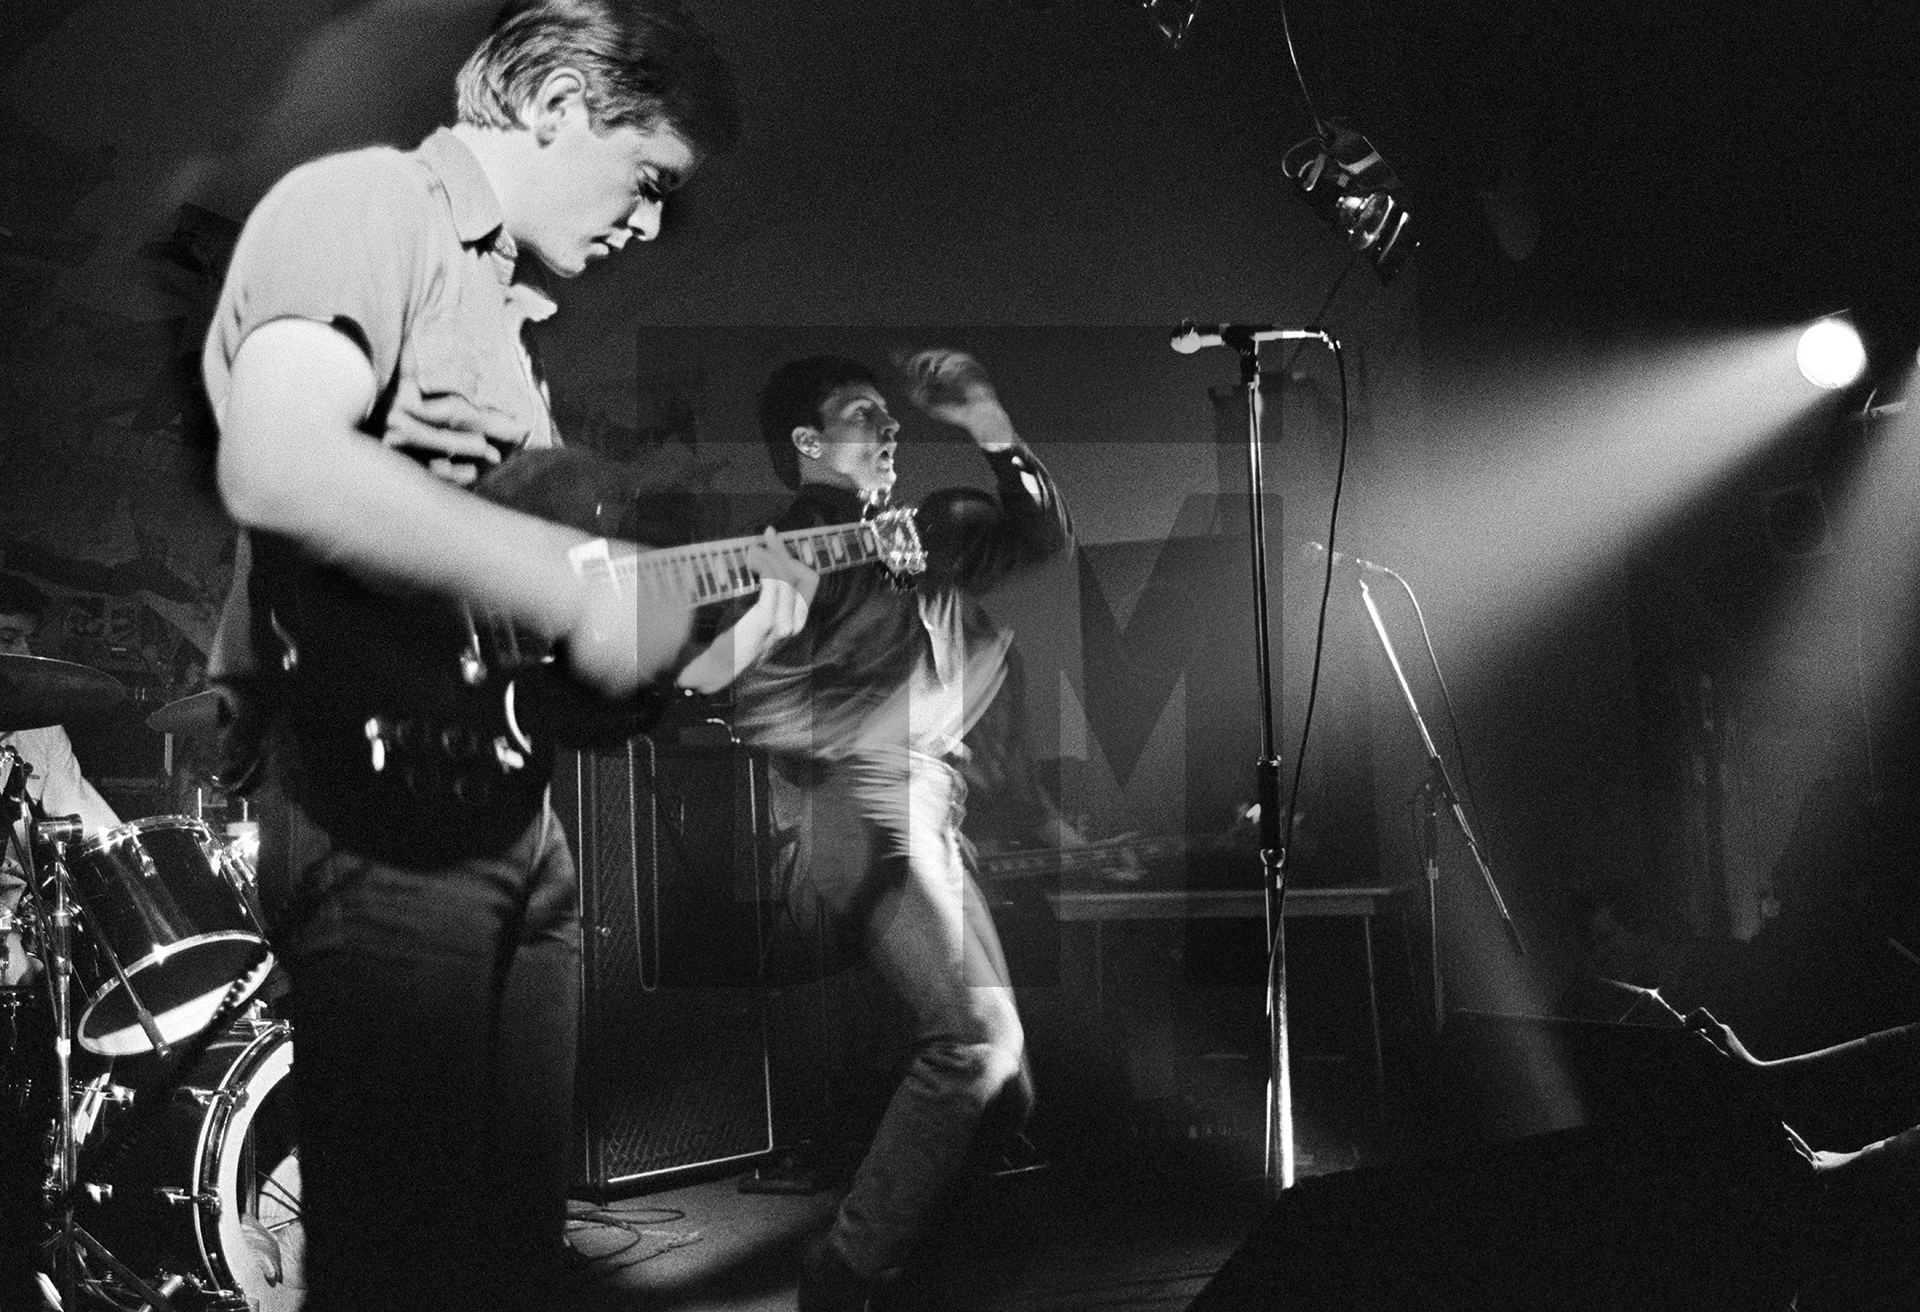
1320, 625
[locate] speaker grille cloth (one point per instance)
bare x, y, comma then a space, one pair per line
673, 1065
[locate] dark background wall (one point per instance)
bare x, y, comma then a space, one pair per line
913, 171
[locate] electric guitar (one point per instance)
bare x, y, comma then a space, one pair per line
422, 730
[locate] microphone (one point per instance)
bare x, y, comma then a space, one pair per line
1317, 550
1190, 336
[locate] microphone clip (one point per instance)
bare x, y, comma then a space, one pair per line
1245, 338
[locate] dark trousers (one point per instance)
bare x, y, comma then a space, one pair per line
434, 1016
876, 860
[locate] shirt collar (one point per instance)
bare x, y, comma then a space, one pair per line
841, 504
478, 220
476, 210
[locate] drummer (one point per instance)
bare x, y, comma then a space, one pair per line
57, 784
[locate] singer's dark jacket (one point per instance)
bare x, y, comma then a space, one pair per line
864, 636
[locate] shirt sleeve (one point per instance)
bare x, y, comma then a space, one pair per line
336, 241
974, 540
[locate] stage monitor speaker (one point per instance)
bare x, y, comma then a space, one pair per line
1675, 1191
1595, 1219
671, 846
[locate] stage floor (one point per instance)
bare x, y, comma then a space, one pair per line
1071, 1236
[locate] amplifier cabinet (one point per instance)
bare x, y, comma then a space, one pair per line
671, 844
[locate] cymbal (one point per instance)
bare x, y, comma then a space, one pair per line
36, 691
186, 715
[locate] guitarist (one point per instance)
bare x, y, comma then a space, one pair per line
862, 714
366, 356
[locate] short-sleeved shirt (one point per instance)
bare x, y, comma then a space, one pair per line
406, 253
58, 788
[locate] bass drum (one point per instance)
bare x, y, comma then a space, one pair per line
210, 1189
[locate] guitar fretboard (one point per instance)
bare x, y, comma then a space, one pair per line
717, 571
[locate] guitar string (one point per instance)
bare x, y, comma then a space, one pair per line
691, 571
836, 546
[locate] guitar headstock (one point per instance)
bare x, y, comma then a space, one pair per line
899, 540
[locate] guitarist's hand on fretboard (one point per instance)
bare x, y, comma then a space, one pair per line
779, 612
435, 725
625, 637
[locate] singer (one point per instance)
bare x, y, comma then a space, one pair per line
863, 713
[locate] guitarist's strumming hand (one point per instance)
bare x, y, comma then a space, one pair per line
779, 612
454, 438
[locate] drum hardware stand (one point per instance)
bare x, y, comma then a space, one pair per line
1441, 790
61, 1189
148, 1024
146, 1100
59, 948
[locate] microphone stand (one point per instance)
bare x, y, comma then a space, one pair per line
1442, 784
1429, 802
1245, 340
1273, 856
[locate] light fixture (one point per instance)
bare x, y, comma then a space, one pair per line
1830, 354
1350, 185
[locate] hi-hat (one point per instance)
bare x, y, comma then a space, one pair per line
36, 691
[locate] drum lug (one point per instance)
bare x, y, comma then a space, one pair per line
114, 1095
184, 1197
203, 1098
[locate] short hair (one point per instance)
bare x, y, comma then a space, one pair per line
19, 597
794, 395
647, 65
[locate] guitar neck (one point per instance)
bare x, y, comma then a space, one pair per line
704, 572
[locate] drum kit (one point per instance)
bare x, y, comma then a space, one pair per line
143, 1073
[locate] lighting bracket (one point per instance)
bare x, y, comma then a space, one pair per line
1350, 185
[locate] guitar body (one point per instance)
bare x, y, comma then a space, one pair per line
408, 728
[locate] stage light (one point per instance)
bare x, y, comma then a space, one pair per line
1831, 355
1350, 185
